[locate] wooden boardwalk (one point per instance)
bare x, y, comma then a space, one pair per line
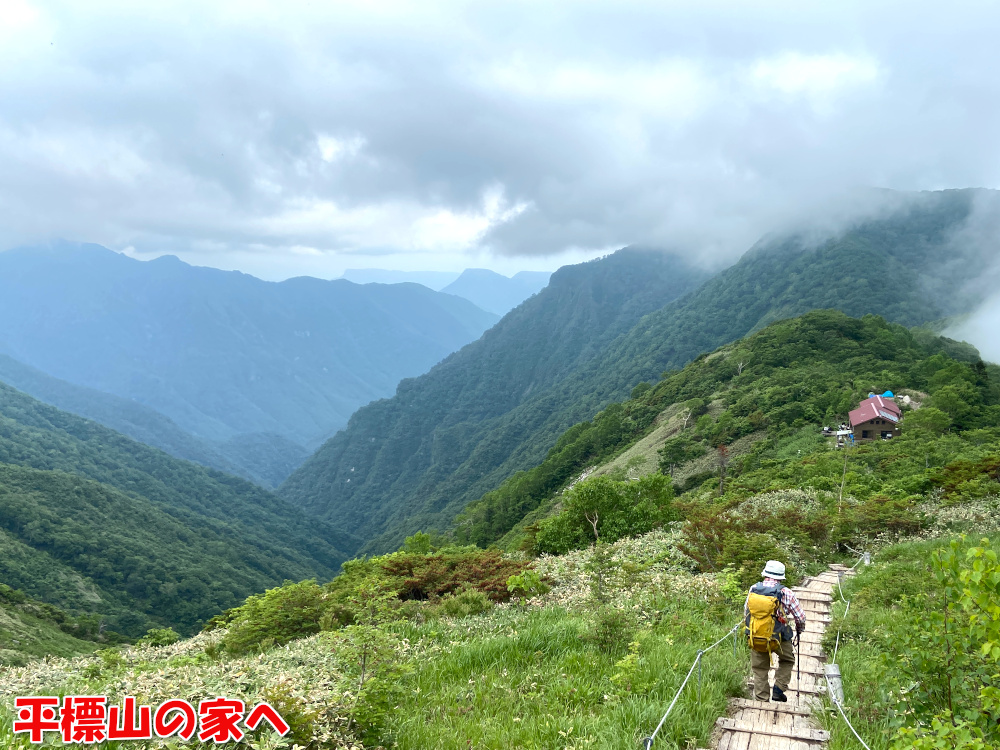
764, 725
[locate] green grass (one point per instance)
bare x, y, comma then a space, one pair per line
870, 640
534, 679
24, 637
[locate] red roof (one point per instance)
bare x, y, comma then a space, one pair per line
876, 407
884, 403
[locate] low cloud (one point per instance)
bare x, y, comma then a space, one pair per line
980, 330
455, 131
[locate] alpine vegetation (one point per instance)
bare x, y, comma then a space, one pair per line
630, 557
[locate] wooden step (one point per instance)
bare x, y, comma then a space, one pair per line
766, 725
813, 596
781, 708
804, 735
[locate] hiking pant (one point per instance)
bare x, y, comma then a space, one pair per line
761, 663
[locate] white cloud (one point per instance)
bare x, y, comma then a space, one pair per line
794, 73
980, 329
332, 149
17, 16
386, 128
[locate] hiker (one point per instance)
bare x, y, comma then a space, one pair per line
769, 608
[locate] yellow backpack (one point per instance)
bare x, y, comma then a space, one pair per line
764, 604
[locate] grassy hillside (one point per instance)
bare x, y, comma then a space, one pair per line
443, 438
426, 646
420, 458
30, 629
95, 522
793, 376
919, 669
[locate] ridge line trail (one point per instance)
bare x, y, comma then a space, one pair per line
761, 725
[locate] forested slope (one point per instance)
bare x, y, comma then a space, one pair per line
418, 459
410, 650
913, 266
794, 375
122, 415
85, 509
443, 438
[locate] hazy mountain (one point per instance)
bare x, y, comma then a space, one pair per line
494, 292
436, 280
127, 417
918, 264
450, 435
223, 354
261, 458
486, 289
417, 459
93, 521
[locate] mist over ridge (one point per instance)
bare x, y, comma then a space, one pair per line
419, 458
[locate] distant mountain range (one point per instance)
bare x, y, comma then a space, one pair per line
486, 289
436, 280
496, 293
239, 375
257, 373
264, 459
599, 329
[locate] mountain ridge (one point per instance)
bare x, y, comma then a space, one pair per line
221, 353
495, 292
780, 277
459, 408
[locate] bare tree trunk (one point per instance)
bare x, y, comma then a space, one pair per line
687, 416
843, 480
723, 462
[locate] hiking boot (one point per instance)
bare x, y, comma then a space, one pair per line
777, 694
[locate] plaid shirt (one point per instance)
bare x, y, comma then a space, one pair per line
788, 600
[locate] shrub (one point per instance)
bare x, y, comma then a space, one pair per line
619, 509
527, 584
466, 602
448, 571
276, 617
929, 420
159, 637
418, 544
959, 477
600, 567
679, 450
611, 631
723, 541
293, 709
874, 517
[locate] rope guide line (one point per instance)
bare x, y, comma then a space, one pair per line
836, 694
648, 741
849, 724
863, 557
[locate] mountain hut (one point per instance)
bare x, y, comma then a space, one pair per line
876, 417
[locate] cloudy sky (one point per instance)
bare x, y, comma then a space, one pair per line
286, 138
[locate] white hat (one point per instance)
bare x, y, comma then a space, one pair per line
774, 569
